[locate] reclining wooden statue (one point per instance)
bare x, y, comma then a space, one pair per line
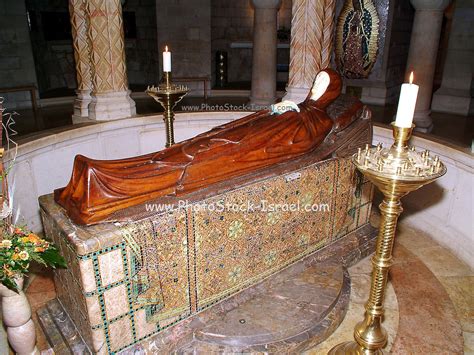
152, 269
99, 188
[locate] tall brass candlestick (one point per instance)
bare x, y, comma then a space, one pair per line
168, 95
396, 172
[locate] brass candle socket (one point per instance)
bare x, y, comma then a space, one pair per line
396, 172
168, 95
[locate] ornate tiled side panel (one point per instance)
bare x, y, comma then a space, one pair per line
172, 265
240, 246
71, 282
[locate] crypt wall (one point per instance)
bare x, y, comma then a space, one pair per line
457, 86
36, 47
141, 47
17, 67
185, 26
232, 32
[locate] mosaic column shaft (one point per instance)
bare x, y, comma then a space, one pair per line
264, 56
312, 29
79, 29
110, 94
422, 55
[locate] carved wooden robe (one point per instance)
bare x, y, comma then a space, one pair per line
99, 188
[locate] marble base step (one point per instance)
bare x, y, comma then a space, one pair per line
290, 316
60, 331
289, 312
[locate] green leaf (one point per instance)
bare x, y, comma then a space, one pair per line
10, 284
53, 258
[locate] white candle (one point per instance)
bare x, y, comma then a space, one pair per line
406, 104
166, 60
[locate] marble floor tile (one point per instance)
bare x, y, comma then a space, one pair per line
468, 343
428, 321
413, 239
360, 285
363, 267
442, 262
461, 291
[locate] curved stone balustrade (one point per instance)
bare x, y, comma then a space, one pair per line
45, 164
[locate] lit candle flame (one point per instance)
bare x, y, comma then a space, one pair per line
411, 78
166, 50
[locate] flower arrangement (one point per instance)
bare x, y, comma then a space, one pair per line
18, 248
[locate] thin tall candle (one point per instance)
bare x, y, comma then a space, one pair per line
407, 103
166, 60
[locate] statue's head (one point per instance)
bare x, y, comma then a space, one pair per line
326, 88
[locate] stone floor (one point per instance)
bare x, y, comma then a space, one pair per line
454, 129
429, 304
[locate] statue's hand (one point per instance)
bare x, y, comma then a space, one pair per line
284, 106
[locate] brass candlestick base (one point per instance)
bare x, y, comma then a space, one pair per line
168, 95
396, 172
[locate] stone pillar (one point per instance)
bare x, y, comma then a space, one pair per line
110, 94
454, 95
79, 27
312, 28
264, 56
422, 55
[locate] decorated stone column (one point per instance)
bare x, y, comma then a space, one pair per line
312, 28
79, 27
422, 55
110, 94
264, 60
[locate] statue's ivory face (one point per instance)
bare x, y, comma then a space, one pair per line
320, 85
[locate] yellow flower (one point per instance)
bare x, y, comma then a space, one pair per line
39, 249
7, 271
6, 243
32, 238
24, 255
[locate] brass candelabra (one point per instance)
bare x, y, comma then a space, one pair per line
168, 95
396, 172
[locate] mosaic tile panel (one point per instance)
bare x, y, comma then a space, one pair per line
175, 264
68, 283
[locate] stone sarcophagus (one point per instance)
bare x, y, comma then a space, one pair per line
164, 261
